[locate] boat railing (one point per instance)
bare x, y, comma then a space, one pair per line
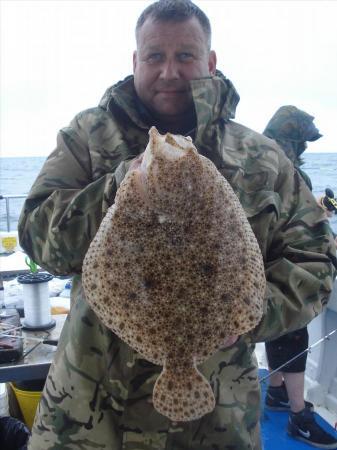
10, 211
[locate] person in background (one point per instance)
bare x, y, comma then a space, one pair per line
98, 391
328, 203
292, 128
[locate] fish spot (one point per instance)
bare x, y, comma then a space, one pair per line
181, 293
93, 286
225, 297
132, 296
197, 394
148, 283
207, 269
170, 385
242, 260
246, 300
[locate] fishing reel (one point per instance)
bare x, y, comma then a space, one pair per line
329, 202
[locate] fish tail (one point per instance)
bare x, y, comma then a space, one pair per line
183, 394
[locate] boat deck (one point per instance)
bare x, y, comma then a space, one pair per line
274, 427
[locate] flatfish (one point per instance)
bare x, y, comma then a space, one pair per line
175, 268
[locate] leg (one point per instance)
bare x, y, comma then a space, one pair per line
290, 394
295, 387
276, 379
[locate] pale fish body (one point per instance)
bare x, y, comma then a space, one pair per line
174, 269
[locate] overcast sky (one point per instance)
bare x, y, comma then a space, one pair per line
58, 57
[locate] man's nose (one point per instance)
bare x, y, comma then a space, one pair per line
169, 70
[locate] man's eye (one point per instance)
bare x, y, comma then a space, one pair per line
185, 56
155, 57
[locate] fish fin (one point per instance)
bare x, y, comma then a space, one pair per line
183, 394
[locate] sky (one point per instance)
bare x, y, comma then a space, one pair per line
58, 58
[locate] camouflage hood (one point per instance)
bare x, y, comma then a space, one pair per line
216, 90
292, 128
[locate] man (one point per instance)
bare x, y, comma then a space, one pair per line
98, 391
292, 128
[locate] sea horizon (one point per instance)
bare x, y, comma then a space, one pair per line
46, 156
18, 173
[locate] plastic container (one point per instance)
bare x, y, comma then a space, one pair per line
13, 349
28, 402
9, 242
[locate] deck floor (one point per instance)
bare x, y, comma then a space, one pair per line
274, 427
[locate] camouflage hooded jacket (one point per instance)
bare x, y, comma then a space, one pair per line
98, 391
292, 128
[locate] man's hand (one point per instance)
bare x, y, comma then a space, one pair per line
230, 340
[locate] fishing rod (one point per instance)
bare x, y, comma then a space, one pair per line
308, 349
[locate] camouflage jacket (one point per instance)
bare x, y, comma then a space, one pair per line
98, 391
292, 128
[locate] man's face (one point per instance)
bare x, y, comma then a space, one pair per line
168, 55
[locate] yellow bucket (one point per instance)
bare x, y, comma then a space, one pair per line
28, 402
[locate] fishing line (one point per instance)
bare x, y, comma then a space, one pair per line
308, 349
36, 302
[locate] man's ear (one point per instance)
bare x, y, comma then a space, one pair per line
134, 60
212, 62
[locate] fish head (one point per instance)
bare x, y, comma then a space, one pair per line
169, 174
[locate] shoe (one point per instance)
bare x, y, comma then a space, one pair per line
277, 399
303, 427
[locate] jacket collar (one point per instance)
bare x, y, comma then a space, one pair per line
215, 98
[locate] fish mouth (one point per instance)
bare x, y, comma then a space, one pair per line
141, 181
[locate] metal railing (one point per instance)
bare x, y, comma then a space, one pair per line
8, 199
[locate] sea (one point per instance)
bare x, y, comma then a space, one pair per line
18, 174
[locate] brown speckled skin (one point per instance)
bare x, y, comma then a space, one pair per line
175, 268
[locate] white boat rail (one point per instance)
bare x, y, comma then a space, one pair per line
8, 199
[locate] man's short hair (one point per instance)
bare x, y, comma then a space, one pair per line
175, 11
